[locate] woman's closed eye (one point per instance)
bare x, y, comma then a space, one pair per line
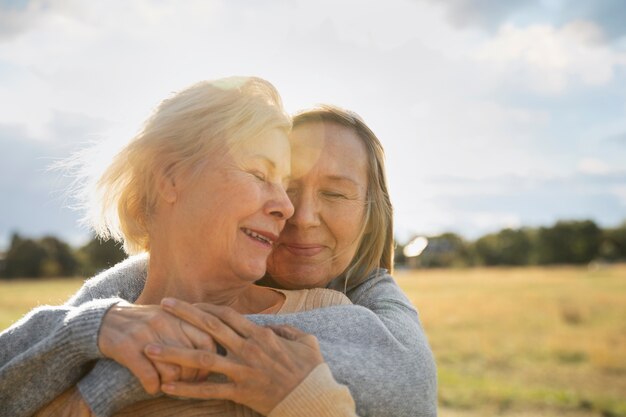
259, 175
269, 178
335, 195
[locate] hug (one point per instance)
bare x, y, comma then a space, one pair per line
258, 282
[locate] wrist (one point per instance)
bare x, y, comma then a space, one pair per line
84, 325
317, 395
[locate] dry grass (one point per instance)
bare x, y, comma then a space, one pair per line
19, 296
541, 341
515, 342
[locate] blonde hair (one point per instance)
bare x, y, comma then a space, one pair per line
375, 249
183, 131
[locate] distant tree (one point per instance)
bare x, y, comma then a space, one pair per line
446, 250
33, 258
507, 247
574, 242
60, 260
24, 259
398, 255
98, 255
613, 247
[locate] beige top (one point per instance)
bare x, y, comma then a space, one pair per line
297, 301
317, 395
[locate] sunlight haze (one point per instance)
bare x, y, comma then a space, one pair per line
492, 114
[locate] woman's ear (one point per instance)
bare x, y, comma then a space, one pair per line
167, 186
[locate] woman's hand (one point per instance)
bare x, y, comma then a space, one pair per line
127, 329
263, 365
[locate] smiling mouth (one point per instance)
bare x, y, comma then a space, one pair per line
304, 250
257, 236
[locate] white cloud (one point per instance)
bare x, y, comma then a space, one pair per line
594, 166
548, 59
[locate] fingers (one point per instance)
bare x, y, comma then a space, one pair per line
296, 335
168, 372
187, 336
145, 371
153, 374
197, 359
236, 321
257, 341
126, 331
263, 364
208, 322
198, 338
286, 331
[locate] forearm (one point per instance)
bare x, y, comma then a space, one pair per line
319, 395
417, 377
51, 348
364, 355
47, 352
361, 352
381, 345
110, 387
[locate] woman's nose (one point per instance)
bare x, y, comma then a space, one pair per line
281, 206
306, 211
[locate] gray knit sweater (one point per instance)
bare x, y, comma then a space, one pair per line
376, 347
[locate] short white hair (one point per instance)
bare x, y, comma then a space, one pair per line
183, 131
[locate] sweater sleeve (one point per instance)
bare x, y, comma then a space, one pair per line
52, 347
413, 375
47, 352
110, 387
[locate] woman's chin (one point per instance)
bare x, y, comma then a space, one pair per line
253, 272
299, 279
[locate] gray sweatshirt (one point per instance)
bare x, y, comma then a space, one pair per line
376, 347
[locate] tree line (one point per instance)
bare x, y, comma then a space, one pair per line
51, 257
566, 242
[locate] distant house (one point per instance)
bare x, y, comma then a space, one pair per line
444, 250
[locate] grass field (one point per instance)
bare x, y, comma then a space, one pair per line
513, 342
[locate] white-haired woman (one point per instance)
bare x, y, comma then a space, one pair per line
201, 189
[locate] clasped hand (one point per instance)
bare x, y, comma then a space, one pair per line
178, 351
127, 329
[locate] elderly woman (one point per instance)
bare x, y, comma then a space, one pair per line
202, 190
340, 233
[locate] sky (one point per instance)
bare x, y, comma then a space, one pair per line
493, 114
